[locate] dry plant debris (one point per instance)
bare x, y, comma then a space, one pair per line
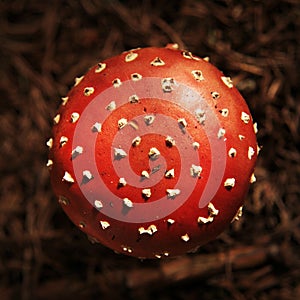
45, 45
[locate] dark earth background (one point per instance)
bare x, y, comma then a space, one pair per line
44, 45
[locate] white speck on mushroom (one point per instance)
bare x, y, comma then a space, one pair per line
170, 221
251, 152
56, 119
197, 74
145, 174
104, 224
232, 152
77, 151
81, 225
122, 123
221, 133
245, 117
170, 173
215, 95
64, 100
157, 256
63, 140
111, 106
224, 112
196, 58
136, 141
67, 177
170, 142
182, 123
133, 99
238, 214
185, 237
157, 62
187, 54
122, 182
255, 128
78, 80
227, 81
173, 46
127, 249
172, 193
116, 82
229, 183
212, 211
195, 171
98, 204
252, 178
119, 153
87, 175
200, 115
150, 230
100, 67
149, 119
49, 163
167, 84
127, 202
63, 200
258, 149
49, 143
74, 117
153, 153
241, 137
131, 56
206, 58
203, 220
136, 76
196, 145
146, 193
88, 91
97, 127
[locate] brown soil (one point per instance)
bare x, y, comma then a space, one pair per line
44, 45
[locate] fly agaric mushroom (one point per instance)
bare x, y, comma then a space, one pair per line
152, 152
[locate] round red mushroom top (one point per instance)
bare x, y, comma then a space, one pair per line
152, 152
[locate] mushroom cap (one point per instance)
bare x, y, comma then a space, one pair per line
153, 152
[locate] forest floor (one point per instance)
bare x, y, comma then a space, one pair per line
44, 45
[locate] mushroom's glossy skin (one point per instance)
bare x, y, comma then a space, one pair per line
153, 152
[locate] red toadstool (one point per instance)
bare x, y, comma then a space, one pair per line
153, 152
